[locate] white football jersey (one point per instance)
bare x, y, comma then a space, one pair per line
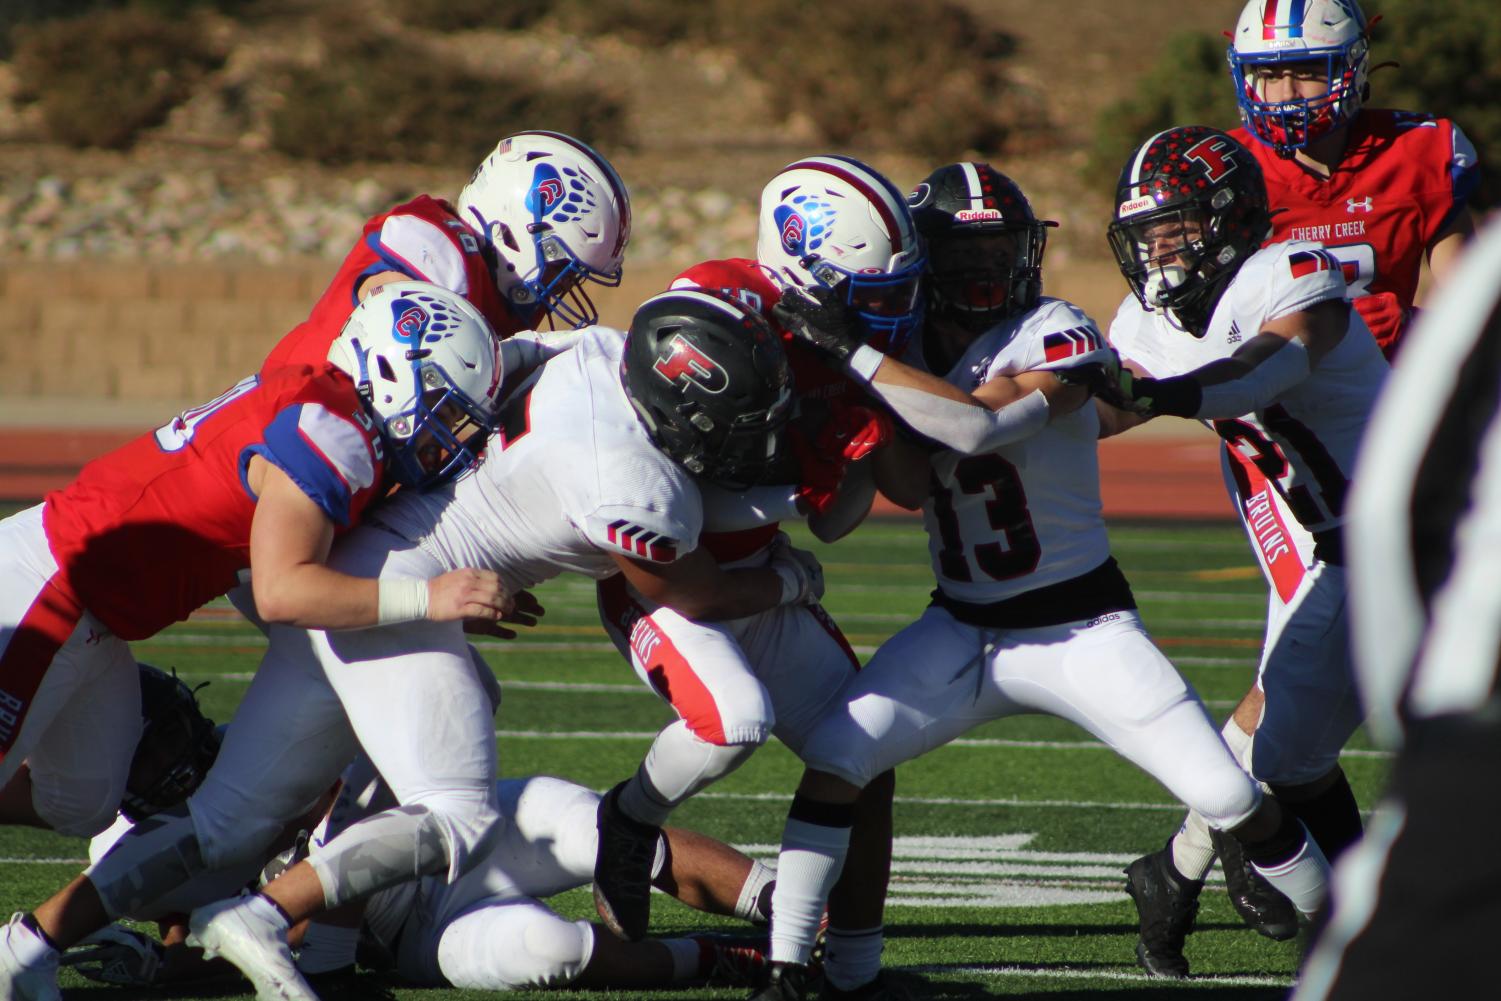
1027, 514
1303, 441
569, 480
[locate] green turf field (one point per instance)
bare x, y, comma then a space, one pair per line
1007, 878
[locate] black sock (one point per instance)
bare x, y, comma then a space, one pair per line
1332, 816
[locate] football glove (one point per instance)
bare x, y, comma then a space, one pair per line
800, 571
852, 433
816, 318
118, 955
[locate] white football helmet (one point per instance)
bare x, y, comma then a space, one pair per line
833, 221
427, 365
1328, 32
555, 215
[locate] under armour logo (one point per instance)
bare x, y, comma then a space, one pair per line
1354, 205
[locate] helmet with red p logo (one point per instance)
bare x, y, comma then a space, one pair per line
710, 382
1190, 209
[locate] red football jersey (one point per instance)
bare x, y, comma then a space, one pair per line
156, 528
819, 387
1403, 177
422, 239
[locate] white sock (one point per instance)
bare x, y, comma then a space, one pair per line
1303, 879
1193, 851
807, 869
854, 957
327, 947
747, 905
687, 958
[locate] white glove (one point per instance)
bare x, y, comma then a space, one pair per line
117, 955
801, 573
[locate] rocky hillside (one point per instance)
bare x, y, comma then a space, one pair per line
205, 185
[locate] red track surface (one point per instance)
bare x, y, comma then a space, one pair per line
1142, 476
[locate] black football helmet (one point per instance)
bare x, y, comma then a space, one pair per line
985, 244
178, 744
711, 383
1190, 208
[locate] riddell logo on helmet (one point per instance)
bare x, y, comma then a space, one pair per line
978, 215
1136, 205
687, 364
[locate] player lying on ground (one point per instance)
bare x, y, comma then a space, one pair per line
490, 930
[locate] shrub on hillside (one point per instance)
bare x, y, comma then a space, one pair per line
467, 15
14, 13
1188, 85
1449, 53
924, 74
103, 77
353, 107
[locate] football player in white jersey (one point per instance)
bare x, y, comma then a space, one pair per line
490, 930
836, 248
585, 473
1031, 613
1263, 346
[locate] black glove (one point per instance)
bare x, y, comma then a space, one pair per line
816, 318
1179, 396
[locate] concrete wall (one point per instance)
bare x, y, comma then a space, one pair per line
150, 339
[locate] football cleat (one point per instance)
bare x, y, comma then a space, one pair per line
1259, 904
1166, 904
622, 869
20, 979
787, 982
732, 960
249, 932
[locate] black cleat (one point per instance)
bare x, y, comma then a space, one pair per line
1259, 904
733, 960
788, 982
1166, 903
622, 869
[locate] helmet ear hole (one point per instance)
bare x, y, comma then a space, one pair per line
386, 371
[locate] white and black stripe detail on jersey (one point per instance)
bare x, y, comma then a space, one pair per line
641, 542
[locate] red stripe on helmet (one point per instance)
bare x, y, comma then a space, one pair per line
832, 166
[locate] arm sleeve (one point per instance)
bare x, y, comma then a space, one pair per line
966, 428
426, 251
726, 511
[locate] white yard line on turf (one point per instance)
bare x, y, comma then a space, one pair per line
1064, 973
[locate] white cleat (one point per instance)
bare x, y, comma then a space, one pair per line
249, 932
28, 966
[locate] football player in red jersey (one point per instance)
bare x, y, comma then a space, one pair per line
542, 216
265, 476
1381, 189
